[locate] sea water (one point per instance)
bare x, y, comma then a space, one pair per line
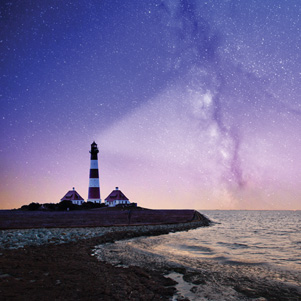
247, 247
253, 237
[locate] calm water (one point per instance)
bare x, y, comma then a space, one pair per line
268, 238
249, 248
272, 237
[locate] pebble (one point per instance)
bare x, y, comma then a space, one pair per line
15, 239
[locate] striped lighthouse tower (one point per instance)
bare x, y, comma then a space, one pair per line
94, 193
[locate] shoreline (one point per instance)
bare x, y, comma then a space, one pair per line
71, 271
20, 238
200, 278
68, 271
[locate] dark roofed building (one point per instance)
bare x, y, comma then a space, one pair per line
73, 196
116, 197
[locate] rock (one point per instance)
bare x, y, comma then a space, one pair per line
14, 239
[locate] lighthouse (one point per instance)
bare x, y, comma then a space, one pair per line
94, 193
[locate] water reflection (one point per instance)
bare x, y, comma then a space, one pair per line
221, 256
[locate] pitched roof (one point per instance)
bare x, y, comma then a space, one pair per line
72, 195
116, 195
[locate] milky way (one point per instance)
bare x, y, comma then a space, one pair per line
192, 103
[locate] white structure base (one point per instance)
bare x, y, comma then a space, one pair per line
77, 202
117, 202
94, 200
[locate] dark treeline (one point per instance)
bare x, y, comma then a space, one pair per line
67, 205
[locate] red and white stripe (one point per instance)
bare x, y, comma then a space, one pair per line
94, 192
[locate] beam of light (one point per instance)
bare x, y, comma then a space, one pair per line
196, 135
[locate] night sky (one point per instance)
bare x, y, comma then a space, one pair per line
193, 104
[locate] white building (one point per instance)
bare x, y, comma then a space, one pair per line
74, 197
116, 197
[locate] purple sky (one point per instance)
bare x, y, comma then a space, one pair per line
193, 104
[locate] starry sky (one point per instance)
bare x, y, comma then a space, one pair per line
193, 104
